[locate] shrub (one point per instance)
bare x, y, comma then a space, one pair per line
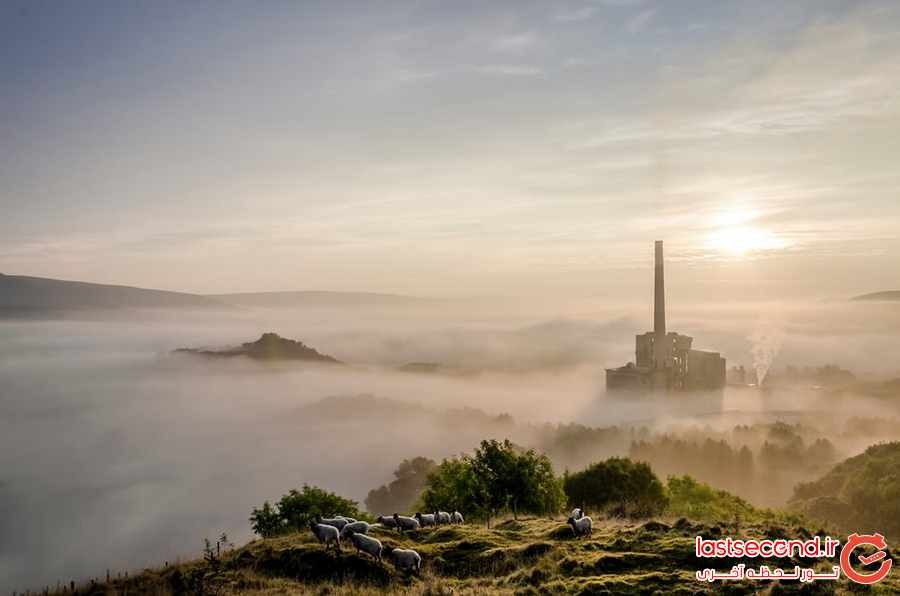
297, 508
697, 500
618, 486
499, 477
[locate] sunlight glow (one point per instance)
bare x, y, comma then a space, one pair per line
742, 240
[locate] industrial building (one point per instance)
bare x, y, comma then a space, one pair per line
665, 361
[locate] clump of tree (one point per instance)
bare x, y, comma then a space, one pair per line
698, 500
500, 477
618, 486
400, 494
296, 509
860, 494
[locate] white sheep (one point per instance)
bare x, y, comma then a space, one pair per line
326, 534
426, 520
458, 518
577, 513
582, 526
349, 520
442, 517
367, 544
357, 527
336, 522
387, 521
406, 523
406, 559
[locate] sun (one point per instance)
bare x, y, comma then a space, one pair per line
735, 234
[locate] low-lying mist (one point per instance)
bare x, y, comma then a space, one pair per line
117, 453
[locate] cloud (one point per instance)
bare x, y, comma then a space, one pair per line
512, 70
577, 15
516, 42
640, 21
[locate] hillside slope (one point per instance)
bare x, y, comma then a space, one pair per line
310, 298
23, 295
887, 296
860, 494
528, 556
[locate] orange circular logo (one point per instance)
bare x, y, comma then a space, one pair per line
855, 541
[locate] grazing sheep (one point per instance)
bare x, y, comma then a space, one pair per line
426, 520
406, 559
349, 520
441, 517
326, 534
405, 523
367, 544
337, 522
577, 513
458, 518
582, 526
357, 527
387, 521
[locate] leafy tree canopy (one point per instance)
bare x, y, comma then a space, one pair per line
294, 510
617, 485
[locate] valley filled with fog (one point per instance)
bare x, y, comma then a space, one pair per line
117, 453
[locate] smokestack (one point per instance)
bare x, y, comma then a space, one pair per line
659, 293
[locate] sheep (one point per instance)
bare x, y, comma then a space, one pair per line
357, 527
429, 519
405, 523
337, 522
326, 534
406, 559
349, 520
458, 518
582, 526
441, 517
577, 513
387, 521
366, 544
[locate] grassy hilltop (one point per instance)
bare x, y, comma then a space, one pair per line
529, 556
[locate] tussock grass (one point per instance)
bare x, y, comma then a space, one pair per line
527, 556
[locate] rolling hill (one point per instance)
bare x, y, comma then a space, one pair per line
21, 295
529, 556
318, 299
887, 296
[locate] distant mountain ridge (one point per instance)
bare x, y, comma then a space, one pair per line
22, 295
293, 299
27, 296
886, 296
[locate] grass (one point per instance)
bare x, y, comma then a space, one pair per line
530, 556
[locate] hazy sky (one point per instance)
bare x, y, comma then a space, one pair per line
453, 147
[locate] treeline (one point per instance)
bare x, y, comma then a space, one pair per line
499, 478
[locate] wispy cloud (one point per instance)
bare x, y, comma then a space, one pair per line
512, 70
640, 21
576, 15
515, 42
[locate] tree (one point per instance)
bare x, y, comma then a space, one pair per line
517, 480
297, 508
266, 521
409, 480
499, 477
619, 485
453, 486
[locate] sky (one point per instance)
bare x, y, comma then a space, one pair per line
453, 148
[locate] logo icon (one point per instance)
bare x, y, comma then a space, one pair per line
855, 541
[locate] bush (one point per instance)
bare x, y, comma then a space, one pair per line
499, 477
297, 508
618, 486
696, 500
